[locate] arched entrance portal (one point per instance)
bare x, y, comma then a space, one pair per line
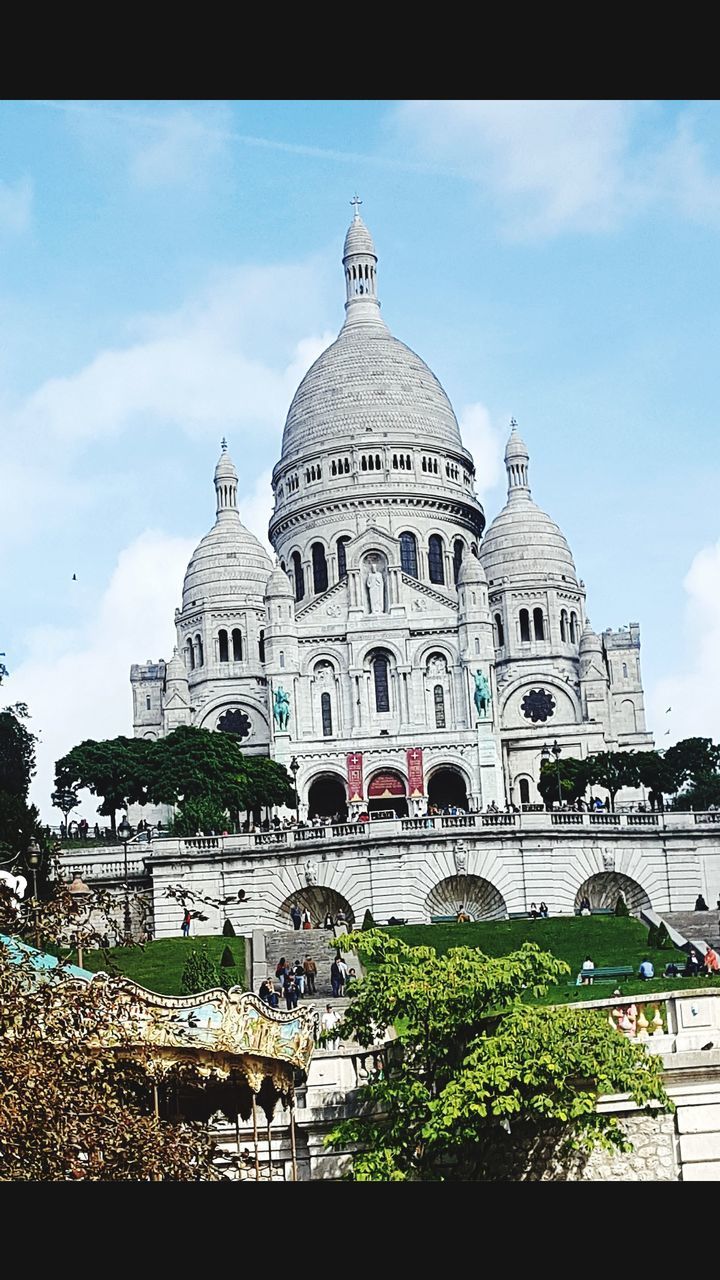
317, 900
479, 897
605, 888
446, 787
387, 792
327, 797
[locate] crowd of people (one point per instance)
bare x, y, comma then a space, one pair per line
296, 979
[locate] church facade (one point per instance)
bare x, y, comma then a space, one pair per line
398, 654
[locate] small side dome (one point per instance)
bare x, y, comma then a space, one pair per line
278, 584
590, 641
471, 571
175, 669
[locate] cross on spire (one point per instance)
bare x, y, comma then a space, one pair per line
223, 445
513, 422
356, 202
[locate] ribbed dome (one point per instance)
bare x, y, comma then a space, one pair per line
358, 239
470, 571
524, 542
228, 562
368, 384
278, 584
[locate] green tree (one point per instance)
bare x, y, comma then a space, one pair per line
115, 769
199, 973
199, 815
199, 766
478, 1083
696, 762
573, 779
658, 774
613, 770
19, 821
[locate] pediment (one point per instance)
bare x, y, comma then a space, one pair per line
330, 607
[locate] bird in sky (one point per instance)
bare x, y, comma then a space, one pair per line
666, 733
74, 577
668, 710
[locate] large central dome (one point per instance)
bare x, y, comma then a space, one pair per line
367, 386
368, 381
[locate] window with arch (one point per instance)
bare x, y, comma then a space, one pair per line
381, 680
223, 652
499, 631
319, 565
408, 554
474, 549
326, 712
624, 670
524, 786
261, 646
439, 699
199, 655
342, 557
538, 624
282, 659
237, 645
563, 625
298, 575
147, 703
191, 655
477, 644
573, 628
458, 553
524, 618
436, 559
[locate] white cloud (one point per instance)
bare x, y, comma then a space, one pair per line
77, 683
485, 443
185, 145
693, 692
16, 201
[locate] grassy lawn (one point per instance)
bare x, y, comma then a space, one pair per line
607, 939
159, 965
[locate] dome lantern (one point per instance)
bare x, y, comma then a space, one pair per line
360, 266
226, 483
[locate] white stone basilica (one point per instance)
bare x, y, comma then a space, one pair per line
400, 657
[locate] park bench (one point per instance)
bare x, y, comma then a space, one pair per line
598, 911
397, 920
444, 919
610, 974
519, 915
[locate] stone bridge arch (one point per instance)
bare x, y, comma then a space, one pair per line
481, 899
604, 888
317, 900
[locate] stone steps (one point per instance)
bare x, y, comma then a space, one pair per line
695, 925
296, 944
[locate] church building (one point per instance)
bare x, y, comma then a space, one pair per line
398, 654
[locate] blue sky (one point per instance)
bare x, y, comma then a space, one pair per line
169, 270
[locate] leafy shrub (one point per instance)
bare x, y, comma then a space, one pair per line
199, 973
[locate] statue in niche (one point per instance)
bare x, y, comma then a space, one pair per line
460, 855
482, 695
608, 858
311, 872
437, 666
375, 584
281, 709
323, 672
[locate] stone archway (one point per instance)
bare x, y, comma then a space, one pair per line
446, 786
317, 900
604, 889
480, 898
387, 791
327, 796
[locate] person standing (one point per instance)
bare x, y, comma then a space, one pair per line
299, 974
328, 1023
335, 977
186, 924
310, 968
291, 991
296, 915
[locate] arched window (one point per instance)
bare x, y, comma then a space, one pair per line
524, 791
499, 630
319, 564
326, 710
436, 559
223, 653
439, 697
147, 703
299, 575
237, 645
191, 654
474, 549
282, 658
538, 624
477, 644
199, 656
573, 628
563, 626
341, 557
624, 670
458, 553
525, 626
382, 685
261, 646
408, 554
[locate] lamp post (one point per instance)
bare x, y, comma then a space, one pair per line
34, 859
125, 832
294, 769
79, 894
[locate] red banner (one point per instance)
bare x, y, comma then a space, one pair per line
355, 776
416, 781
385, 785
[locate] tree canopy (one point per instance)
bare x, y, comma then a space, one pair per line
478, 1084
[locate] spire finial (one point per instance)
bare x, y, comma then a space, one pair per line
356, 202
513, 423
223, 445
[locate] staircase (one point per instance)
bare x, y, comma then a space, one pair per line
696, 926
296, 944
